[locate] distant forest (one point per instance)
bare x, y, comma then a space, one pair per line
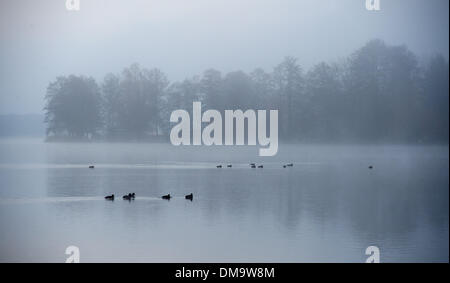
380, 93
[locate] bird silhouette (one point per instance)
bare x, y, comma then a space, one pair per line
189, 196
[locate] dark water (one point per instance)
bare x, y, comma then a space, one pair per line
329, 207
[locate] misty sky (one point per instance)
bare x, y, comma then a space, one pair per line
41, 39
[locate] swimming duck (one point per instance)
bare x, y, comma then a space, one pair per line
111, 197
91, 166
130, 196
260, 166
253, 166
290, 165
190, 196
219, 166
370, 167
229, 165
166, 197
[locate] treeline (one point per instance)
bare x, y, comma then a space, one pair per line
380, 93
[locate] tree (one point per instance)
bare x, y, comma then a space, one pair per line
263, 89
211, 85
73, 107
238, 91
436, 99
381, 84
111, 102
379, 93
156, 82
180, 95
324, 88
133, 101
288, 82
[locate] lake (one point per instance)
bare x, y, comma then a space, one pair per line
329, 207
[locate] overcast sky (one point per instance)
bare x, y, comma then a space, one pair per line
41, 39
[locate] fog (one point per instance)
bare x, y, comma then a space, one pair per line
224, 130
41, 40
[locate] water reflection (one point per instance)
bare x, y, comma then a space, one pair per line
328, 207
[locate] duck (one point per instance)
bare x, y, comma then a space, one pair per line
290, 165
166, 197
190, 196
229, 165
130, 196
111, 197
260, 166
253, 166
219, 166
284, 166
91, 166
370, 167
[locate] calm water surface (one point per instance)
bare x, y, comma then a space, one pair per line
329, 207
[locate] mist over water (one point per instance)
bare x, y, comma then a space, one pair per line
328, 207
361, 98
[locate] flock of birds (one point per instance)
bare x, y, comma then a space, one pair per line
131, 196
253, 165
